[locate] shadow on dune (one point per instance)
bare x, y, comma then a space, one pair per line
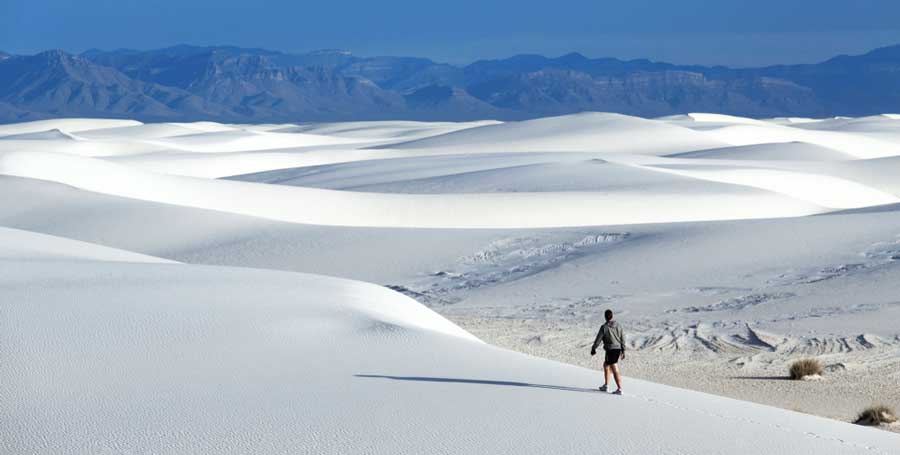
872, 209
476, 381
763, 378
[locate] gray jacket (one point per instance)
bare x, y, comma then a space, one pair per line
611, 335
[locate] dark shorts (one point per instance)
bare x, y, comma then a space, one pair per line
612, 356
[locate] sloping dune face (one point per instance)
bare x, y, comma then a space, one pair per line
587, 132
151, 358
163, 287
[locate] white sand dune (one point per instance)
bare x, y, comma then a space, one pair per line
70, 146
488, 173
821, 190
237, 141
23, 245
207, 127
855, 145
161, 358
326, 207
218, 165
69, 125
707, 118
54, 134
393, 130
878, 173
146, 131
644, 266
784, 151
588, 132
878, 124
695, 229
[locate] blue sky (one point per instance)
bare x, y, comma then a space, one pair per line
731, 32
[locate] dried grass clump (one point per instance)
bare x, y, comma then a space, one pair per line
876, 415
806, 367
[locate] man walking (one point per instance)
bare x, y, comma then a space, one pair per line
613, 339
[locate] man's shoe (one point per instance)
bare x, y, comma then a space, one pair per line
617, 392
602, 388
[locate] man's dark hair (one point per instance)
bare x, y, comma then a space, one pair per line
608, 315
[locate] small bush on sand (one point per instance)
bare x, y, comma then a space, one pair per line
806, 367
876, 415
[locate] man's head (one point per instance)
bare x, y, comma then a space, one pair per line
608, 315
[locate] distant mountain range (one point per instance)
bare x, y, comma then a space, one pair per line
256, 85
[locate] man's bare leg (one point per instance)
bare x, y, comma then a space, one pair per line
615, 372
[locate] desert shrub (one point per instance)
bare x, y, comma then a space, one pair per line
805, 367
876, 415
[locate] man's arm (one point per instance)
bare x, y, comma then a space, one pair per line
622, 336
597, 341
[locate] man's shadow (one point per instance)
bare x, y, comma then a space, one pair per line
476, 381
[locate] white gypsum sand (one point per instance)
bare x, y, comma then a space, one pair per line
150, 287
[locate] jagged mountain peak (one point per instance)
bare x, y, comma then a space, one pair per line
573, 57
55, 56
